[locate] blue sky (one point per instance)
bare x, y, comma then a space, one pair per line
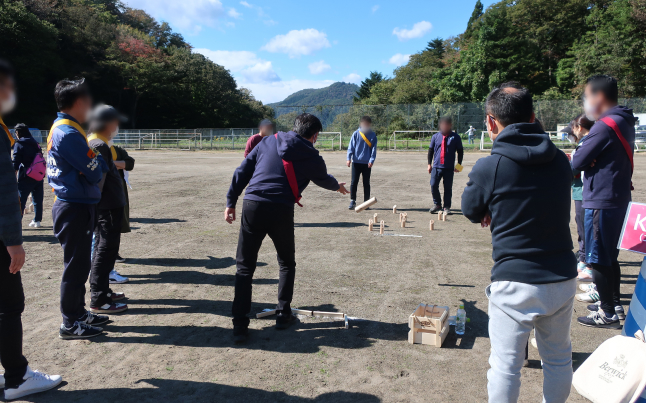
278, 47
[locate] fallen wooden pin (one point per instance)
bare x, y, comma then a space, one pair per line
365, 204
412, 236
317, 314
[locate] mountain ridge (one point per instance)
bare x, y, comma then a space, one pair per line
339, 93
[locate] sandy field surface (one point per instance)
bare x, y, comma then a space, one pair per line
174, 343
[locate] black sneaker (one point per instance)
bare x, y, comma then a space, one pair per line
435, 209
600, 320
79, 331
120, 259
240, 334
94, 320
353, 204
283, 322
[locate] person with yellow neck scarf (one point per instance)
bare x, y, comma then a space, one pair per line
104, 125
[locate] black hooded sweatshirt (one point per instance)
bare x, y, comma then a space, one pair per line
525, 186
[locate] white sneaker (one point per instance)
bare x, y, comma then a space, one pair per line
589, 297
34, 382
116, 278
1, 381
587, 287
35, 224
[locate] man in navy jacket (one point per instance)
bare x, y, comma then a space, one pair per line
268, 209
74, 171
441, 163
605, 158
362, 152
533, 279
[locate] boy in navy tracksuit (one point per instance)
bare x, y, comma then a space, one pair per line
74, 171
441, 163
606, 161
362, 152
268, 209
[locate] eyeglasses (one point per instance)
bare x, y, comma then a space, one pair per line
485, 121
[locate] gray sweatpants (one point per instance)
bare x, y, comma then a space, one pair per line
514, 310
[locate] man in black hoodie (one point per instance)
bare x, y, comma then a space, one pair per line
533, 277
277, 171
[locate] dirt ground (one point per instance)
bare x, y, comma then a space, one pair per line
174, 343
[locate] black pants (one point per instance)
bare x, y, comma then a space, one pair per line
73, 226
12, 304
608, 282
257, 220
364, 171
108, 239
446, 175
27, 186
579, 217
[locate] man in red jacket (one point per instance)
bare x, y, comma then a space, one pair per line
265, 128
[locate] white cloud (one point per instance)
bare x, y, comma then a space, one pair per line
233, 13
297, 43
262, 72
419, 29
279, 90
187, 16
399, 59
319, 67
245, 4
353, 78
375, 8
266, 19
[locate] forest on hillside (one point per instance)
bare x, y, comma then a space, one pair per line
130, 60
551, 46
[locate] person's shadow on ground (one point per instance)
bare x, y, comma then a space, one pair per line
160, 390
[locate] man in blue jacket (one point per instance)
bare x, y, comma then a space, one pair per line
277, 171
441, 163
74, 171
606, 159
533, 279
362, 152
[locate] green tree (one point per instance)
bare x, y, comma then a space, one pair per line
475, 15
367, 84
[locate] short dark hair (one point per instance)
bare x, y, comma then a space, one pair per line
583, 121
510, 103
365, 118
307, 125
606, 84
22, 130
446, 119
68, 91
6, 70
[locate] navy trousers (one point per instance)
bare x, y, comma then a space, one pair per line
73, 226
446, 175
108, 237
12, 304
27, 186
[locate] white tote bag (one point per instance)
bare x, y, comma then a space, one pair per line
614, 373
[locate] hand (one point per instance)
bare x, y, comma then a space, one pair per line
230, 215
17, 254
455, 170
592, 164
569, 157
370, 165
430, 168
486, 221
342, 189
348, 162
120, 164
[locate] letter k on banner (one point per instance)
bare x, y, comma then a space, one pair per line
633, 233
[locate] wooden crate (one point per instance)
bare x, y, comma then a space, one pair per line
429, 324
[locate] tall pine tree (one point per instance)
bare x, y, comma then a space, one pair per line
367, 84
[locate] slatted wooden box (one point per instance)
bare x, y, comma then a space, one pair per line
429, 324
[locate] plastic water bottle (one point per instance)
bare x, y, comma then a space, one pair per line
460, 320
